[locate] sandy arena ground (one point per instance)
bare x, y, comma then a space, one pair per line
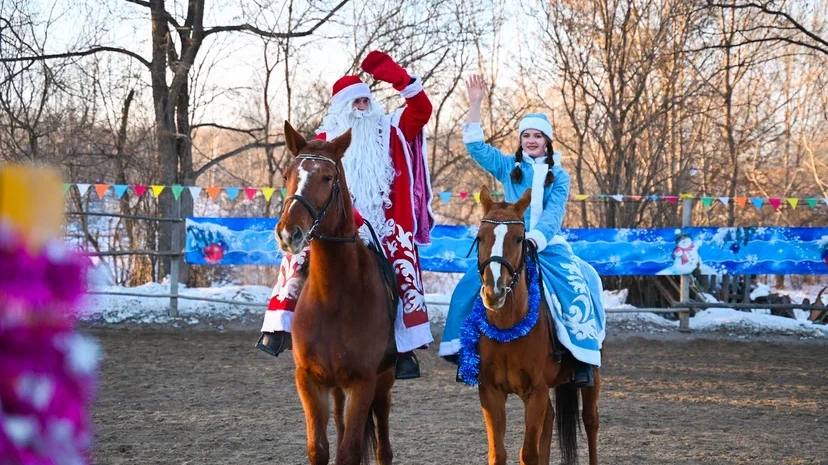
208, 397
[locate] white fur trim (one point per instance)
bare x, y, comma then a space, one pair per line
539, 170
351, 93
409, 339
412, 89
428, 182
472, 132
449, 347
537, 237
277, 320
540, 124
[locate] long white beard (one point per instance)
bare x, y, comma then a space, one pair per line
368, 167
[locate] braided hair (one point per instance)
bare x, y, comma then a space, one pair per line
517, 172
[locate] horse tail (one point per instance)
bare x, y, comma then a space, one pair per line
369, 438
568, 422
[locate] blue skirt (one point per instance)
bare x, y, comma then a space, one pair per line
572, 289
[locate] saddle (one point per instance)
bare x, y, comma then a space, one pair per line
389, 278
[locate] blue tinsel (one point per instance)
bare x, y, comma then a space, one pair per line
477, 323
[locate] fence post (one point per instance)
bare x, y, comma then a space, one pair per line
684, 292
175, 260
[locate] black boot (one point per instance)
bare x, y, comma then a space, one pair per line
407, 366
274, 343
582, 377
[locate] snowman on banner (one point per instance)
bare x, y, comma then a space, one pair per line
686, 258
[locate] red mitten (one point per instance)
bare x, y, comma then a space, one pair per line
384, 68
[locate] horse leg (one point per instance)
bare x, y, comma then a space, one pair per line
360, 396
382, 409
545, 443
493, 403
590, 416
339, 413
315, 404
534, 407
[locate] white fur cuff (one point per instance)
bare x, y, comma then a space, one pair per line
537, 237
472, 132
412, 89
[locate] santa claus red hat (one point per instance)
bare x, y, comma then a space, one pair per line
348, 89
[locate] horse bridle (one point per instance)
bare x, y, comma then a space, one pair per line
481, 267
319, 215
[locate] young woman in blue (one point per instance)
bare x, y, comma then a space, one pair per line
572, 288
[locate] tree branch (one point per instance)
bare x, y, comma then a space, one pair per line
275, 35
91, 51
233, 153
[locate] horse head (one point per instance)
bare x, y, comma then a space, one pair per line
317, 196
501, 247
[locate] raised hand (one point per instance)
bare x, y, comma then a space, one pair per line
475, 87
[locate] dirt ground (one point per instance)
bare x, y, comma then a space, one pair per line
208, 397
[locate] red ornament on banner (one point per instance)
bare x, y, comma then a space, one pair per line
213, 253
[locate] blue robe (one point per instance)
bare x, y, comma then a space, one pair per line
572, 288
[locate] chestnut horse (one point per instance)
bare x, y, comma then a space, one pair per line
526, 366
342, 330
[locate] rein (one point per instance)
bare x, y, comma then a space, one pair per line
319, 215
514, 271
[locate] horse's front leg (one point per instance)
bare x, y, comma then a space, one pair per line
493, 403
535, 406
359, 397
315, 404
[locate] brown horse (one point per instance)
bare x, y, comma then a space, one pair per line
526, 366
342, 332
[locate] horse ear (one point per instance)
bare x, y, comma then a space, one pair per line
293, 140
485, 199
521, 205
341, 144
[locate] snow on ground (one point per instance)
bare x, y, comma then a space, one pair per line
107, 309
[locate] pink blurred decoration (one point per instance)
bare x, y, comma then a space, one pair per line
47, 371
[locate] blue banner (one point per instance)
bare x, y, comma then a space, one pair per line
751, 250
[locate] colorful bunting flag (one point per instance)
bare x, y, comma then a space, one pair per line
120, 190
757, 202
176, 191
617, 197
724, 200
195, 191
101, 190
635, 198
213, 192
464, 195
250, 192
267, 192
156, 190
686, 196
445, 196
707, 202
82, 188
654, 197
793, 202
139, 189
581, 197
812, 202
231, 192
66, 186
477, 197
740, 201
671, 198
282, 192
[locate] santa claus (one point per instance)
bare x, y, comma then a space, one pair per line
387, 174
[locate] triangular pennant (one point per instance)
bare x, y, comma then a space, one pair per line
757, 202
464, 195
687, 196
653, 197
671, 198
176, 191
82, 188
232, 192
825, 199
617, 197
213, 192
581, 197
195, 191
156, 189
811, 202
775, 202
65, 187
445, 196
635, 198
477, 197
724, 200
139, 189
282, 192
267, 192
793, 202
740, 201
250, 192
707, 202
120, 190
101, 190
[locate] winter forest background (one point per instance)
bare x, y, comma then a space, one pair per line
647, 97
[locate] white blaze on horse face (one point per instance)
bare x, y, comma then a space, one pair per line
497, 251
